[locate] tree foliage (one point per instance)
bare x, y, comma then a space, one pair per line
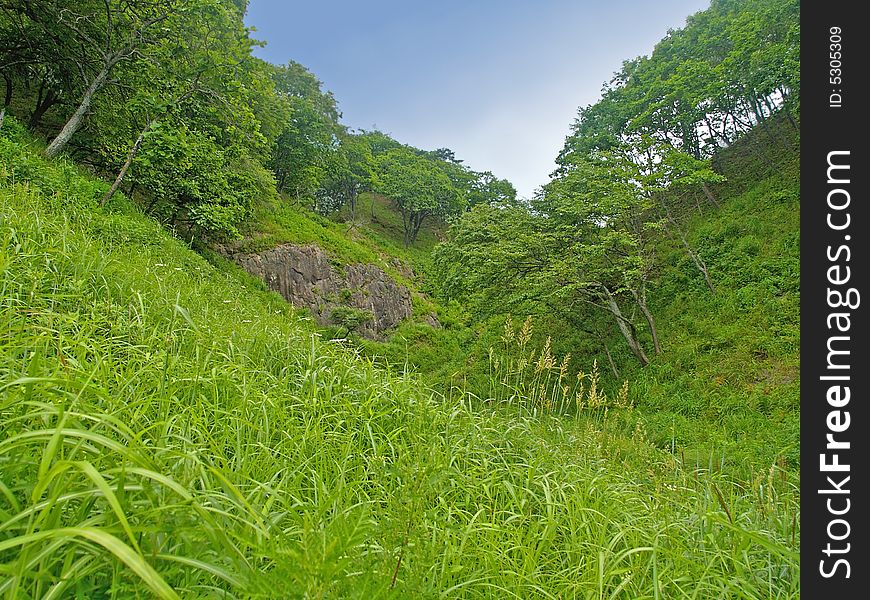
417, 186
583, 249
309, 138
165, 99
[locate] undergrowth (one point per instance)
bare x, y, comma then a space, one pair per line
169, 430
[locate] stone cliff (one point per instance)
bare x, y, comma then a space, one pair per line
306, 278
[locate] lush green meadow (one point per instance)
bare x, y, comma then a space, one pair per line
169, 429
726, 388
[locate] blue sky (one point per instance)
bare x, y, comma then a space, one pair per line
498, 82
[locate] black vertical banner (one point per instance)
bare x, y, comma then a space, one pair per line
834, 263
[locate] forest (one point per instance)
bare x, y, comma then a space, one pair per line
248, 351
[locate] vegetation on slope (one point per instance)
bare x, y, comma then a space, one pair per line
641, 252
725, 389
168, 430
732, 359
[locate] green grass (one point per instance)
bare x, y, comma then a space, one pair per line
375, 235
377, 223
286, 223
726, 387
168, 429
728, 381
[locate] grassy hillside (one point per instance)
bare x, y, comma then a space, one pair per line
731, 360
725, 390
373, 236
169, 429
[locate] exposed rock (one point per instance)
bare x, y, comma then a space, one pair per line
402, 268
306, 278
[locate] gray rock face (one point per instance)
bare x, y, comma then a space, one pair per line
304, 276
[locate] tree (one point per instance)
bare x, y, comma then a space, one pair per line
194, 182
347, 173
573, 251
583, 247
676, 171
185, 77
418, 187
310, 136
486, 188
93, 38
378, 141
729, 69
25, 60
602, 200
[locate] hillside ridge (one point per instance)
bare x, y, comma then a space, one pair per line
170, 428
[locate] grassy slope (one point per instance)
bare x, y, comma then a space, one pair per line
165, 425
725, 391
375, 237
731, 360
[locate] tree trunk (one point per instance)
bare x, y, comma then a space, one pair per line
7, 99
417, 223
790, 118
770, 107
610, 360
626, 328
785, 103
725, 130
709, 193
640, 300
136, 145
43, 103
353, 198
406, 222
75, 121
695, 258
758, 109
652, 325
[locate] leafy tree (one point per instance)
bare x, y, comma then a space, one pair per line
732, 67
378, 141
445, 154
194, 182
26, 61
310, 136
91, 39
418, 186
197, 75
584, 247
347, 173
486, 188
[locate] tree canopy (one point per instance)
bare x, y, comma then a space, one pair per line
165, 99
583, 247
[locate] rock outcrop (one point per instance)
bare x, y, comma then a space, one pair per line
306, 278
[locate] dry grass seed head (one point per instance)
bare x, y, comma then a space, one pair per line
509, 334
525, 332
546, 360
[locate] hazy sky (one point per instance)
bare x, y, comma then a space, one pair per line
497, 81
